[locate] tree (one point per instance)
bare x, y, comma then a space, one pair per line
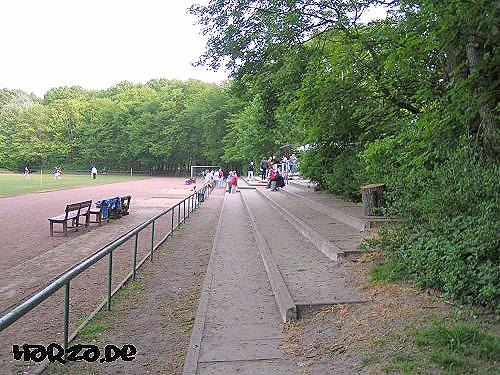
250, 32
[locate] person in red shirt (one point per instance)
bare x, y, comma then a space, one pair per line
234, 182
272, 175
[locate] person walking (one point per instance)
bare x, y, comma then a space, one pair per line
216, 179
228, 181
263, 169
26, 173
234, 182
57, 173
221, 178
94, 172
250, 171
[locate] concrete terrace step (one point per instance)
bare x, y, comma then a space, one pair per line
311, 278
243, 184
349, 213
302, 184
237, 325
331, 230
282, 296
255, 182
320, 241
333, 212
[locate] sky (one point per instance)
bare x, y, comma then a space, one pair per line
96, 44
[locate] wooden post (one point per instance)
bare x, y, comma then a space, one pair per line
373, 198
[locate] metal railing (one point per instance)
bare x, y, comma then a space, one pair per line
188, 204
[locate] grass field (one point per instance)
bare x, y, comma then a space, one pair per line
15, 184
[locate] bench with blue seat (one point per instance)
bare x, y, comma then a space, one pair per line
113, 208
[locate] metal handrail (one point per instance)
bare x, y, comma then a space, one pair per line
65, 279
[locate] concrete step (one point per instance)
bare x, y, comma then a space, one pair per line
311, 278
330, 250
243, 184
237, 321
255, 182
333, 212
303, 184
349, 213
326, 228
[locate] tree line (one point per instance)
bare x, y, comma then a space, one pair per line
163, 126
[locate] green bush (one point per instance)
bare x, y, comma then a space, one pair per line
449, 239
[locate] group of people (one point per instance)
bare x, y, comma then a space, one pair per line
272, 169
57, 172
273, 163
218, 178
215, 177
275, 180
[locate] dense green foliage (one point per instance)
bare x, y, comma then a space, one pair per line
163, 126
410, 101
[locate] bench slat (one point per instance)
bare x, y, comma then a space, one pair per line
71, 215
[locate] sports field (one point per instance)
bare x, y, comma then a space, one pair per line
15, 184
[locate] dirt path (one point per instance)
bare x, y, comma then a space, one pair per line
158, 311
379, 337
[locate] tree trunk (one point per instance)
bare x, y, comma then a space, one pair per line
373, 198
486, 110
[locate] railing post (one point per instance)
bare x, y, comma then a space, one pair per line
172, 229
135, 255
110, 271
152, 239
66, 319
189, 207
184, 210
178, 214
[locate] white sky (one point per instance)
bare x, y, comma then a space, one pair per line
97, 43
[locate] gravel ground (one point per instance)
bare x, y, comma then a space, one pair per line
157, 313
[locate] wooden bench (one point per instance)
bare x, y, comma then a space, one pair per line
115, 213
73, 213
125, 205
97, 211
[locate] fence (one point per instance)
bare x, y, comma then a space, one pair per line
188, 204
